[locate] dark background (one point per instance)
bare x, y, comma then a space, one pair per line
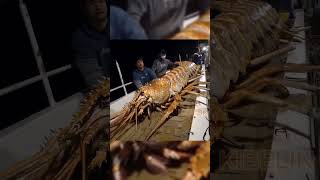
126, 53
192, 5
53, 23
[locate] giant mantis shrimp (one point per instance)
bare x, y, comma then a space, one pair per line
245, 36
164, 92
76, 150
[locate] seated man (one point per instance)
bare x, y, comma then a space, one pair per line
142, 75
161, 65
90, 42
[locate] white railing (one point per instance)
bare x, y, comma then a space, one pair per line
44, 75
123, 85
32, 80
36, 51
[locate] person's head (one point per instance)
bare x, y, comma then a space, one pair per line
163, 54
140, 64
95, 12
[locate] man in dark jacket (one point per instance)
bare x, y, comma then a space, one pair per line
162, 18
90, 42
142, 74
162, 64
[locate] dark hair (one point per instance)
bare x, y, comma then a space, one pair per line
139, 58
162, 52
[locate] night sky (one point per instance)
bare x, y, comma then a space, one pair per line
126, 52
53, 23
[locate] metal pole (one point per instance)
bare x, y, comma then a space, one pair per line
32, 80
122, 82
179, 57
111, 90
36, 51
59, 70
19, 85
